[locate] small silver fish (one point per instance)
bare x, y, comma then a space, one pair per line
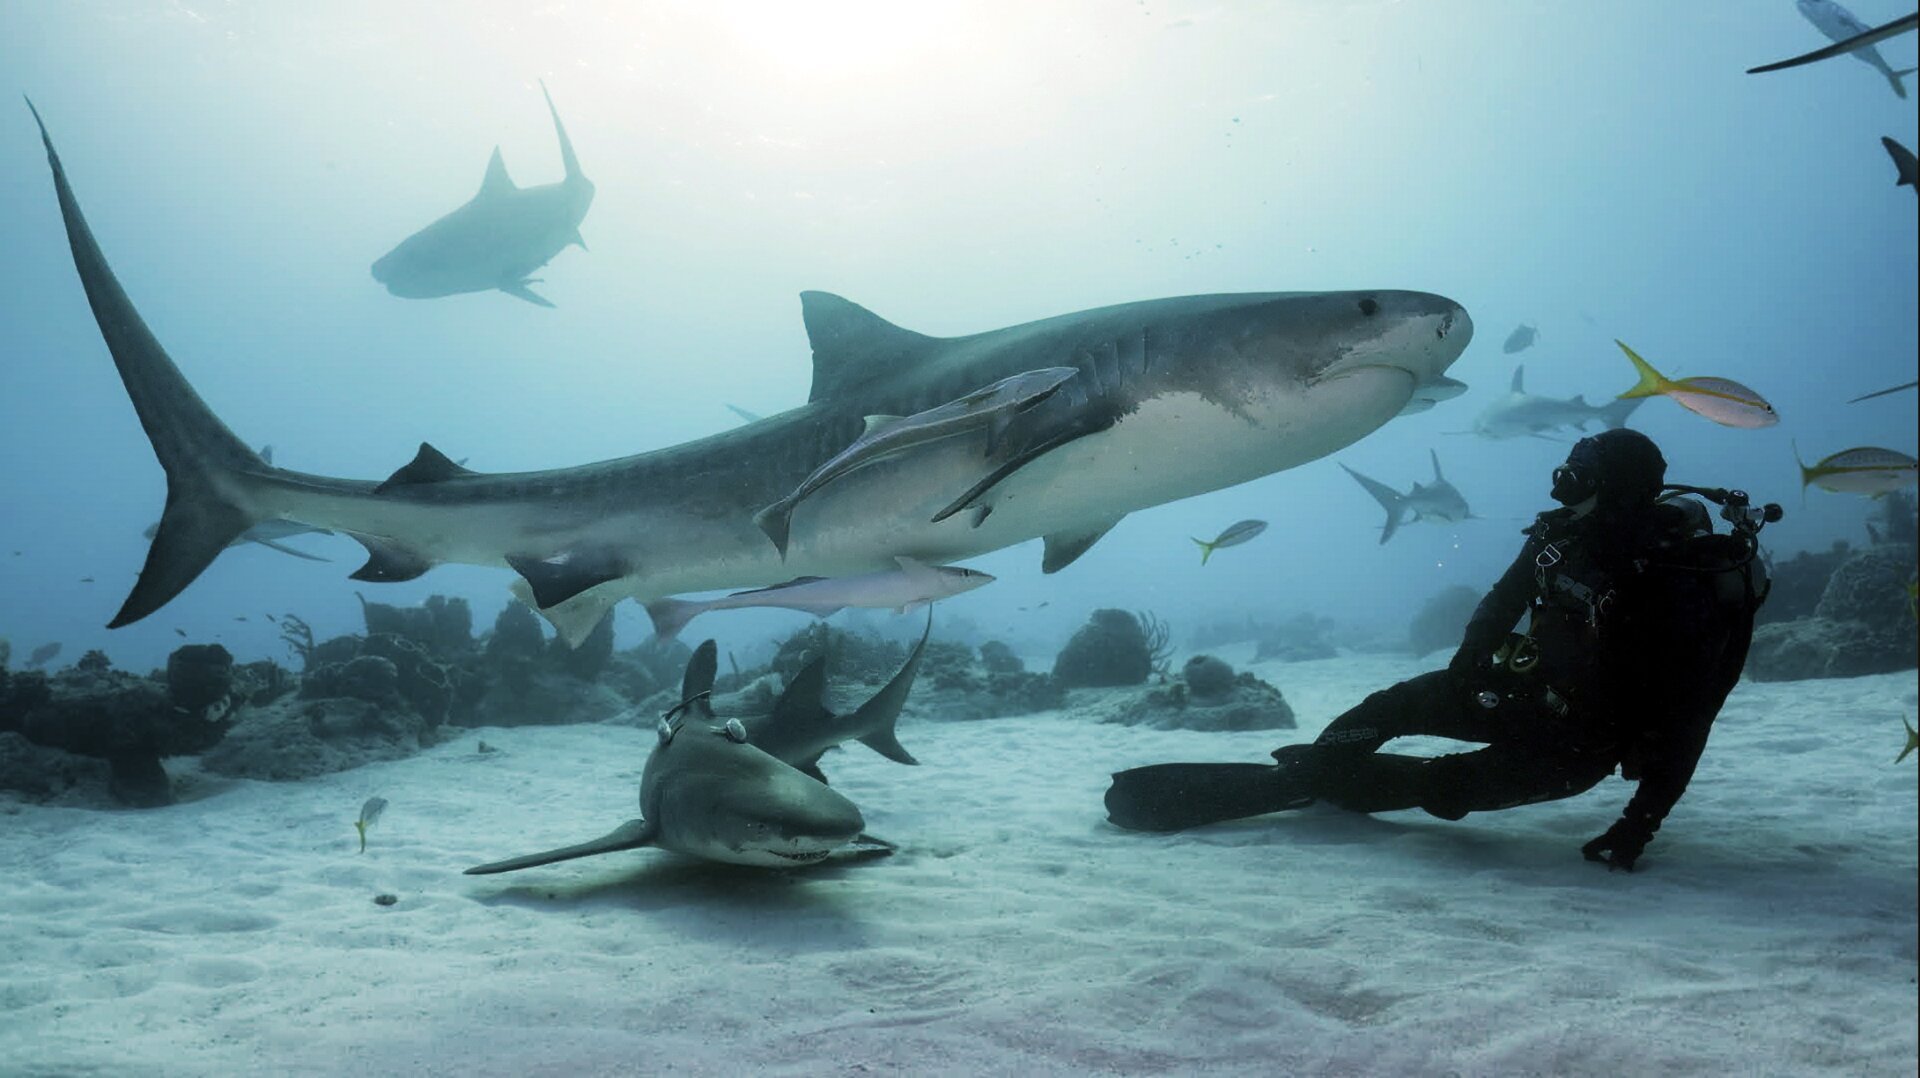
1722, 400
369, 813
1234, 535
1520, 339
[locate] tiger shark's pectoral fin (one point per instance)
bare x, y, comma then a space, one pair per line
865, 845
1018, 461
555, 580
1062, 549
628, 836
388, 562
519, 290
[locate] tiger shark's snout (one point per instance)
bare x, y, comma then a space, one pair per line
1418, 333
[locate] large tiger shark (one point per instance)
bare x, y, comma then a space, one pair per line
1172, 398
498, 237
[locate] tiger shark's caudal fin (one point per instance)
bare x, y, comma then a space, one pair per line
567, 159
208, 468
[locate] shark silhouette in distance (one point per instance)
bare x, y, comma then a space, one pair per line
498, 238
1171, 398
1439, 500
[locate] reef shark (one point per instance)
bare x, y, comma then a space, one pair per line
497, 238
1521, 414
1172, 398
1439, 500
749, 795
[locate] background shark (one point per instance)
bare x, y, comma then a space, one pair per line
501, 235
1438, 500
1520, 414
1173, 397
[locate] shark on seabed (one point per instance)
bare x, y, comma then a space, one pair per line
1169, 398
498, 238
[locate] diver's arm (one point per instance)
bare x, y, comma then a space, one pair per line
1499, 611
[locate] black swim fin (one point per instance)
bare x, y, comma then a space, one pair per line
1174, 797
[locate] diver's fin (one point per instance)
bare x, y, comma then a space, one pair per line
1174, 797
519, 290
388, 562
1064, 548
628, 836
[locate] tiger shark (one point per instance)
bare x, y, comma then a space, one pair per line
1171, 398
499, 237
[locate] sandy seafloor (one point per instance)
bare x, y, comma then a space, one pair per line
1771, 929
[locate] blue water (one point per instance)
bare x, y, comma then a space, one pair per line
1599, 171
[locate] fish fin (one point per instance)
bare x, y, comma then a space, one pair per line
1437, 477
556, 579
811, 768
874, 423
266, 453
628, 836
1206, 549
519, 290
1899, 88
881, 713
1651, 384
1390, 499
1064, 548
579, 240
702, 667
852, 345
669, 616
389, 562
429, 465
274, 544
205, 464
574, 620
795, 582
1017, 462
776, 521
1518, 385
496, 181
1615, 414
567, 160
980, 515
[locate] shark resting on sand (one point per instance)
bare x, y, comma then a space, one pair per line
1170, 398
497, 238
750, 793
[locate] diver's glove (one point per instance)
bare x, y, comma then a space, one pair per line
1623, 843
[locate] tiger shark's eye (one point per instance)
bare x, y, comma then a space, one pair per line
734, 732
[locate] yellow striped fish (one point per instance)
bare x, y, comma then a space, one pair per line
1722, 400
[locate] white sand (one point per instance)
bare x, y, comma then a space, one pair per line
1771, 930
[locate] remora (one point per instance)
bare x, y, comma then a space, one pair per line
1174, 397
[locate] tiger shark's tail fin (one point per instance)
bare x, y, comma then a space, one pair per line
208, 468
1390, 499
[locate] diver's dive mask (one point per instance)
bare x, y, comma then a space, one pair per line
1573, 484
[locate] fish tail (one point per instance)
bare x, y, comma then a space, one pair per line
671, 615
571, 163
1894, 77
1807, 475
210, 472
1652, 383
1615, 414
1206, 549
1390, 499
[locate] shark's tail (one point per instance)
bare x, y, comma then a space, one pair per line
1616, 413
567, 159
1894, 77
878, 717
209, 470
671, 615
1391, 500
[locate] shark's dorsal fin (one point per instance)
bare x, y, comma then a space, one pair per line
496, 181
803, 701
1437, 477
429, 465
701, 670
1519, 383
851, 344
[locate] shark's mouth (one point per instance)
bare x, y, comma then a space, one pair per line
807, 858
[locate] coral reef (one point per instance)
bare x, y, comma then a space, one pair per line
1112, 648
863, 657
1860, 625
1206, 676
1442, 619
1220, 700
1799, 581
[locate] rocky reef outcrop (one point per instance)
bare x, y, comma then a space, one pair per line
1442, 619
1207, 694
1863, 623
1114, 647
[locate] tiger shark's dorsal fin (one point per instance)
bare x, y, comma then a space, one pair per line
496, 181
429, 465
1519, 383
852, 345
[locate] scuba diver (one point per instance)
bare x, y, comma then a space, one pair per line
1639, 618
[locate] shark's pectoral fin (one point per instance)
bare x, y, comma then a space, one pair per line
579, 240
1063, 548
628, 836
574, 620
389, 562
520, 290
865, 845
429, 465
555, 580
1018, 461
811, 768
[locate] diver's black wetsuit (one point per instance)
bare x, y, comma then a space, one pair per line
1633, 664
